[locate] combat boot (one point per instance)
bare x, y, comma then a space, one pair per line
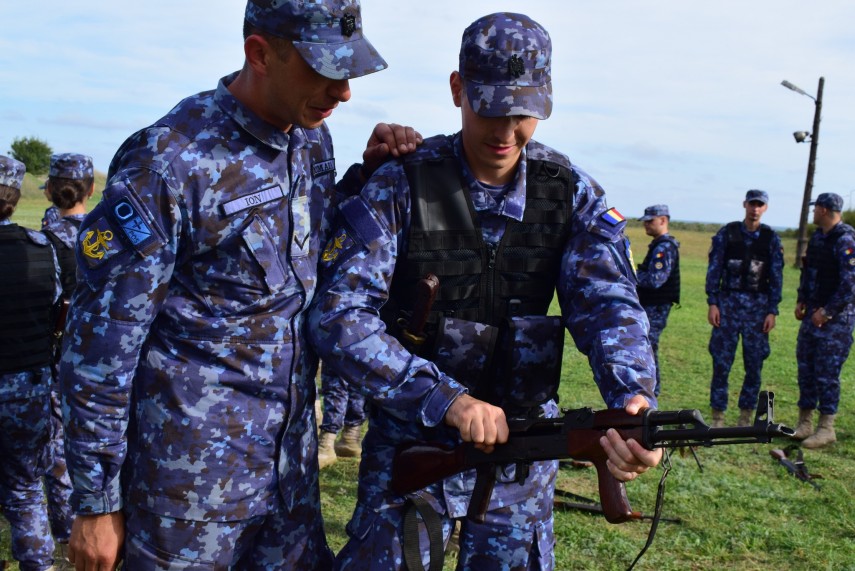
824, 434
326, 449
717, 418
805, 426
349, 445
746, 417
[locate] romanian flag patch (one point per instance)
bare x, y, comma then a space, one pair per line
612, 216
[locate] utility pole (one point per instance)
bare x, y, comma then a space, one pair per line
801, 244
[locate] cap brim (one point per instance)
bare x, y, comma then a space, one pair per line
646, 218
344, 60
509, 100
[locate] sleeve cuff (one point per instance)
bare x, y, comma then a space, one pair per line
436, 403
95, 503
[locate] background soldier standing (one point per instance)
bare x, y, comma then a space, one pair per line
658, 276
29, 290
743, 286
826, 308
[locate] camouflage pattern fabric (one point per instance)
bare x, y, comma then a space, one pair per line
50, 216
663, 257
188, 390
24, 447
71, 165
822, 351
742, 314
410, 396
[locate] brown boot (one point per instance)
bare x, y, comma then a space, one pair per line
717, 418
326, 449
805, 426
824, 434
350, 443
746, 417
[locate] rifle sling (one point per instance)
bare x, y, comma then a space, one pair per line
433, 525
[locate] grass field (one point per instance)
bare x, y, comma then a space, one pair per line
742, 511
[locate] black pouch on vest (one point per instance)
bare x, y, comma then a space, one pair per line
530, 362
464, 350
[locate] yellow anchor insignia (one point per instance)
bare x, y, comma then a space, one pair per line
93, 249
331, 251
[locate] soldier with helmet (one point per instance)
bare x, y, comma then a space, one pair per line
826, 308
29, 290
658, 276
495, 223
744, 281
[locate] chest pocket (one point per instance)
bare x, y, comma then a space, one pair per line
244, 273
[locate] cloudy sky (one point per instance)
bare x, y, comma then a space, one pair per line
669, 101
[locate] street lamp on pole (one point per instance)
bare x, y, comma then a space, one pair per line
802, 136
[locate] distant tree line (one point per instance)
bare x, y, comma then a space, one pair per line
33, 152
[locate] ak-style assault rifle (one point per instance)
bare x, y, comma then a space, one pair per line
574, 435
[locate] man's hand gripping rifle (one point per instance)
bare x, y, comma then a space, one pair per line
574, 435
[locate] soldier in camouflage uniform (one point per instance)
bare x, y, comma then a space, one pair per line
344, 411
502, 221
826, 308
658, 276
29, 289
71, 182
744, 280
188, 388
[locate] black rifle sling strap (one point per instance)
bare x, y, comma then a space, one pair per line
417, 506
660, 497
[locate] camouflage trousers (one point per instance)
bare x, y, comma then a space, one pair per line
516, 536
24, 437
657, 315
342, 406
57, 482
821, 353
277, 541
736, 322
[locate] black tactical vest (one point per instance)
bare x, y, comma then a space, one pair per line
824, 265
746, 267
27, 289
66, 258
669, 292
481, 282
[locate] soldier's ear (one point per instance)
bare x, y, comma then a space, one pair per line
456, 83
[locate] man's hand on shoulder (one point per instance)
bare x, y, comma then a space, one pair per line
388, 139
478, 422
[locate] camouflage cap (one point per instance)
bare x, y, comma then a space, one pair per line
829, 200
505, 61
327, 33
652, 212
11, 172
71, 165
758, 195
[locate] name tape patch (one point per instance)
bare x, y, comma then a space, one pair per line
323, 167
252, 200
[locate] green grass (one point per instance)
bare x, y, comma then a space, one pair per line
743, 511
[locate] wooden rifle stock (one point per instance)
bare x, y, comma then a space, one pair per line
425, 294
575, 435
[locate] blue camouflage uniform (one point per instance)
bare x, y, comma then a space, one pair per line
199, 261
343, 404
28, 290
410, 395
188, 388
662, 259
822, 351
57, 482
743, 312
50, 216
